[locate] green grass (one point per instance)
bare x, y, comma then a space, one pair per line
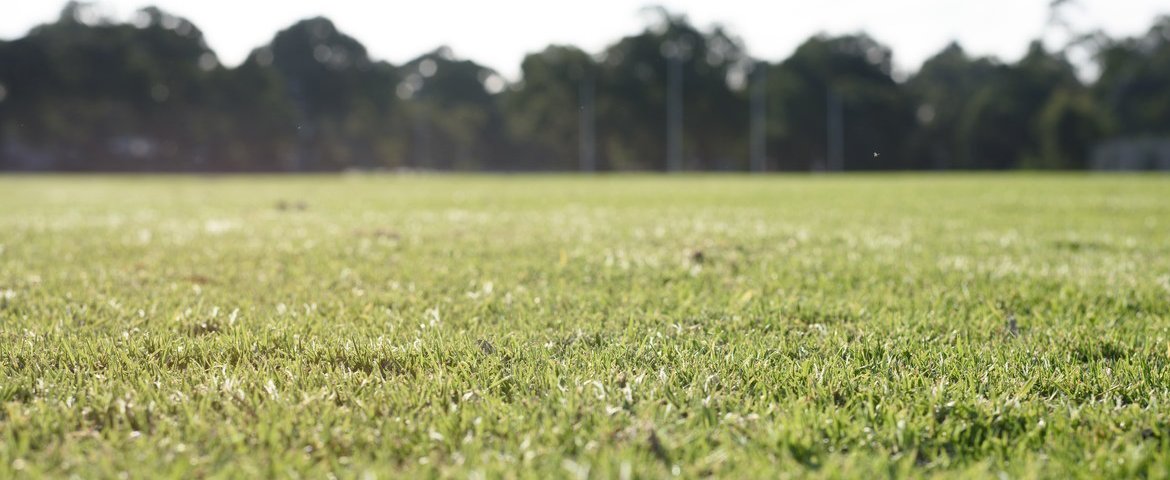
606, 327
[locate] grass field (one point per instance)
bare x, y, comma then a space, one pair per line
606, 327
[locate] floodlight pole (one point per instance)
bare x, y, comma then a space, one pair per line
759, 119
674, 112
304, 128
836, 132
587, 149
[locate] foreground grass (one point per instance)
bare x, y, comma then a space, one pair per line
590, 327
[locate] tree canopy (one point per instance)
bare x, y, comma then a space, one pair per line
86, 93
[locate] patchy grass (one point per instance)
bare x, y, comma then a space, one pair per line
593, 327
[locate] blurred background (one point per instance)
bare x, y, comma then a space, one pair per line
616, 86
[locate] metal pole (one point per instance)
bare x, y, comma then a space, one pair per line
587, 148
759, 119
836, 131
674, 113
423, 142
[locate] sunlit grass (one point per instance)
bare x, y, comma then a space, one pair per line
596, 327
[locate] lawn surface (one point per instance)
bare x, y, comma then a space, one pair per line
604, 327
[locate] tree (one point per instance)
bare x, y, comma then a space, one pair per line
346, 112
999, 128
855, 70
632, 97
1069, 126
544, 109
88, 93
94, 94
455, 116
941, 91
1134, 76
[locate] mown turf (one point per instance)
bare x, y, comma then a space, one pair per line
604, 327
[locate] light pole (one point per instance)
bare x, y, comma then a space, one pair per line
587, 150
759, 118
836, 132
676, 52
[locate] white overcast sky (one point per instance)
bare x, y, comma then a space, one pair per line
499, 33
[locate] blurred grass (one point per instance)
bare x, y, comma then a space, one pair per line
626, 326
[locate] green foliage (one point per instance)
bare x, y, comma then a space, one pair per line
632, 99
82, 88
1134, 78
942, 89
346, 112
544, 111
393, 327
999, 126
457, 123
877, 113
90, 94
1070, 125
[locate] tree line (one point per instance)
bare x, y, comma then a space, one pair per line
91, 94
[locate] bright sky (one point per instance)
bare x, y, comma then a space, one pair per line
499, 33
